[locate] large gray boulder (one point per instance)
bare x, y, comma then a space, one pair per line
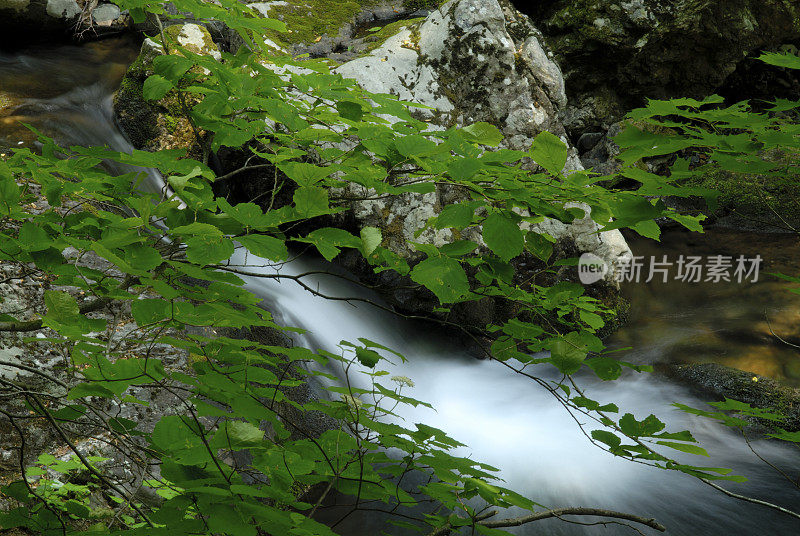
463, 63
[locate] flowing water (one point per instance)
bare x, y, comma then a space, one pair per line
505, 419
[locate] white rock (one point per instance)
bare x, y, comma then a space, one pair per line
63, 8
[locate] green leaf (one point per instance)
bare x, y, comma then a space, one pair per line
684, 447
305, 174
457, 215
541, 246
646, 428
367, 357
206, 249
503, 236
350, 110
567, 353
484, 133
156, 87
172, 66
142, 257
604, 436
443, 276
265, 246
311, 201
61, 306
243, 433
370, 239
787, 60
413, 145
549, 152
462, 169
149, 310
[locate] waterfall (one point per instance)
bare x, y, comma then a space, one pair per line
505, 419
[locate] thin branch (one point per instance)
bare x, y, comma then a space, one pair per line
751, 499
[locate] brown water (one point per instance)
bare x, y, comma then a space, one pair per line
37, 82
727, 322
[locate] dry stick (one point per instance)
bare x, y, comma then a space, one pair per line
86, 462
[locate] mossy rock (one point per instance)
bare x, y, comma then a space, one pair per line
160, 125
757, 202
721, 382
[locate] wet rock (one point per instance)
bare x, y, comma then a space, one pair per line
27, 20
724, 382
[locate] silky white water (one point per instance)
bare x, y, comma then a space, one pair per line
505, 419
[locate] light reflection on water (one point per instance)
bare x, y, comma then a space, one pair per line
726, 323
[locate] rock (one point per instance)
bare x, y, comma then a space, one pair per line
462, 61
723, 382
615, 54
161, 125
26, 20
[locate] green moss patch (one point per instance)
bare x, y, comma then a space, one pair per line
307, 20
378, 37
761, 199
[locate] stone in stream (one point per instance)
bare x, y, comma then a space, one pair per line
22, 19
721, 382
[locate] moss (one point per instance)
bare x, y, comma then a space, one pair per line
306, 20
377, 38
422, 4
755, 197
5, 101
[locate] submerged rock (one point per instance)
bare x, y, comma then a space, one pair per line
724, 382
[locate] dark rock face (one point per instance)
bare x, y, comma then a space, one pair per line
616, 54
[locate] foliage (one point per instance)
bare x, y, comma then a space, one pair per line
166, 257
763, 150
751, 157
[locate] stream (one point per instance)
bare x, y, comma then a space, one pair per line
506, 420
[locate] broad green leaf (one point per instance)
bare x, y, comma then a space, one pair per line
265, 246
503, 236
484, 133
370, 239
61, 306
457, 215
311, 201
443, 276
156, 87
367, 357
567, 353
207, 249
549, 152
350, 110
